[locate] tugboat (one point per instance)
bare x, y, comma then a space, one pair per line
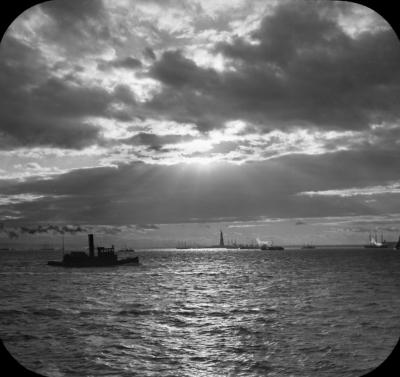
105, 257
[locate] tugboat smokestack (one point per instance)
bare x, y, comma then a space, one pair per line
91, 246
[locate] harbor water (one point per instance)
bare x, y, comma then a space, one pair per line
323, 312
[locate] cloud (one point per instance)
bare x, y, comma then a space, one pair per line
146, 227
75, 27
52, 111
149, 53
197, 110
18, 198
13, 233
296, 67
392, 188
38, 111
138, 193
177, 71
129, 63
300, 68
156, 142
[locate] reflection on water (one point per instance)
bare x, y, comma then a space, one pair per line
204, 313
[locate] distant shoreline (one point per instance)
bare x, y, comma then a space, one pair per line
287, 247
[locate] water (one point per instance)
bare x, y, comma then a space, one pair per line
322, 312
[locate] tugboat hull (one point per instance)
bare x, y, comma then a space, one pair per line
94, 263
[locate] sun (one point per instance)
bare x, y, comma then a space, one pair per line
204, 161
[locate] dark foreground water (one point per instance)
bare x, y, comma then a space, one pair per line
333, 312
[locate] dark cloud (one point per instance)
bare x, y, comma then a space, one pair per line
71, 229
62, 99
51, 114
65, 12
282, 37
148, 194
46, 105
41, 111
78, 27
149, 53
13, 233
175, 70
156, 142
301, 69
124, 94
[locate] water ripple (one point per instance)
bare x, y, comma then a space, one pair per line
322, 313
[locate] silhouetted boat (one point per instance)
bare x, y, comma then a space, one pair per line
308, 246
105, 257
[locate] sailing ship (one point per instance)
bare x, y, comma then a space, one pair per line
183, 245
271, 247
308, 246
374, 244
251, 245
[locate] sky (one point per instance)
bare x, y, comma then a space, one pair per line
152, 122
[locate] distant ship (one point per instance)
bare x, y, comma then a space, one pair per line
374, 244
271, 247
308, 246
251, 245
183, 245
126, 250
397, 246
105, 257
